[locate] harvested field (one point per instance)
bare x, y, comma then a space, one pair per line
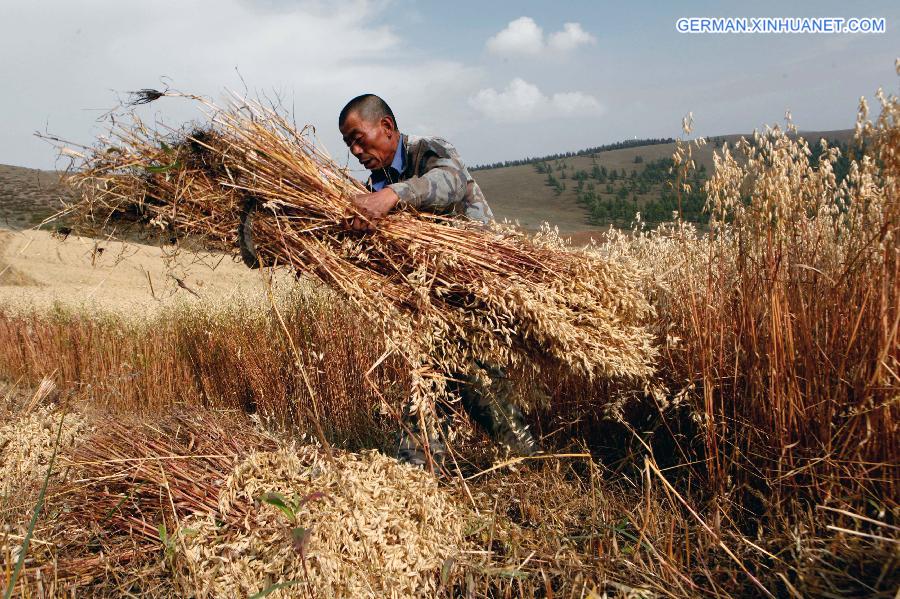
129, 278
10, 276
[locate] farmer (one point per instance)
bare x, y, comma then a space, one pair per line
427, 174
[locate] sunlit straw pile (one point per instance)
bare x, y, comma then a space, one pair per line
230, 510
27, 438
354, 525
121, 485
446, 296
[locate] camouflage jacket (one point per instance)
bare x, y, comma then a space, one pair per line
436, 180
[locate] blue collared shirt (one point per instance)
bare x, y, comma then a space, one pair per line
380, 178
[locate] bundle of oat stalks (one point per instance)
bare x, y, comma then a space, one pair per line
447, 293
215, 507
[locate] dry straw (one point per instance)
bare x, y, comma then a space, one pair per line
447, 294
192, 497
407, 528
26, 444
781, 323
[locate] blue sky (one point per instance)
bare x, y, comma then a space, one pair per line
501, 80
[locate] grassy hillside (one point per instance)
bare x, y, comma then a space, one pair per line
524, 193
27, 196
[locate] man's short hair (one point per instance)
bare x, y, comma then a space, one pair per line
370, 107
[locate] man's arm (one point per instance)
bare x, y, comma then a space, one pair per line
442, 186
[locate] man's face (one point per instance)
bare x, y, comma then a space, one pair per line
373, 143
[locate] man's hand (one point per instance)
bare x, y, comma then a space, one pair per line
371, 208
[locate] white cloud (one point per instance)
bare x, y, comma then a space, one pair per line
316, 55
522, 36
525, 37
522, 100
571, 36
576, 103
518, 101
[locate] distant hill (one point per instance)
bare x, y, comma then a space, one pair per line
524, 193
518, 192
28, 196
621, 145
